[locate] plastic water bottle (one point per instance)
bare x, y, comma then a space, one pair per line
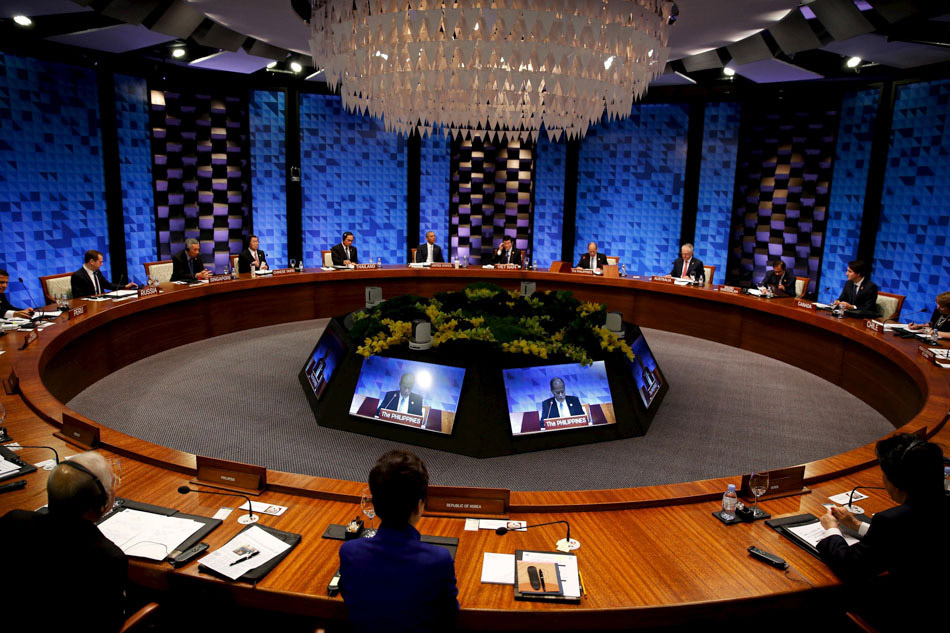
300, 265
623, 270
379, 262
729, 500
234, 273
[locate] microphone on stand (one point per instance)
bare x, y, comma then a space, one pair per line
243, 520
55, 454
853, 509
565, 544
27, 293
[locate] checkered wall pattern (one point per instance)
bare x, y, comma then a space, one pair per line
201, 170
548, 201
434, 157
354, 179
268, 173
490, 196
630, 187
911, 256
135, 168
52, 205
783, 179
717, 176
846, 207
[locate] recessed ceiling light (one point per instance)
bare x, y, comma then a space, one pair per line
272, 65
728, 72
22, 20
854, 61
178, 52
296, 67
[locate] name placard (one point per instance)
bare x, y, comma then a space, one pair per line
566, 423
455, 501
582, 271
662, 279
409, 419
220, 473
78, 432
284, 271
216, 279
78, 311
807, 305
730, 290
507, 267
365, 266
442, 265
925, 353
32, 336
874, 326
147, 291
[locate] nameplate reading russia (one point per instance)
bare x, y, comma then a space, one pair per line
147, 291
76, 312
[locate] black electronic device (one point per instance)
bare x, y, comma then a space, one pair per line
13, 485
533, 578
333, 587
188, 555
767, 557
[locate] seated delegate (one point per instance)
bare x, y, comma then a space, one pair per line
89, 280
592, 259
688, 267
344, 253
429, 252
780, 279
187, 264
939, 320
252, 256
859, 292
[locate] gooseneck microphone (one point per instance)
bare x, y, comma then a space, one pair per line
850, 505
55, 454
20, 279
566, 544
244, 520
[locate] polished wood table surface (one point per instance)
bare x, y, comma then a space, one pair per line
651, 555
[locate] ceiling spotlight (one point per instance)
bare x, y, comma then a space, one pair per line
178, 52
728, 72
22, 20
853, 62
272, 65
296, 67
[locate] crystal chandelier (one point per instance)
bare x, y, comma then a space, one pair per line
490, 68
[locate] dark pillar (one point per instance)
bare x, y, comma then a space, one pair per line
112, 176
292, 175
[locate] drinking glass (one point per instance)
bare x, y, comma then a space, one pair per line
293, 263
758, 483
366, 503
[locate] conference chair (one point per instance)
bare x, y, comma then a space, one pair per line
141, 619
327, 259
159, 270
801, 286
412, 255
890, 305
54, 285
710, 271
612, 260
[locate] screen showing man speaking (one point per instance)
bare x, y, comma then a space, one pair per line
421, 395
558, 397
324, 360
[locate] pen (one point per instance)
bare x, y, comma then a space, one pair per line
241, 560
583, 584
541, 576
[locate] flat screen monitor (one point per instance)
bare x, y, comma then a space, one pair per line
407, 392
324, 360
558, 397
646, 373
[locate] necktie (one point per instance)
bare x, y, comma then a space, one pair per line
347, 252
508, 258
685, 268
256, 262
95, 278
593, 262
563, 410
191, 265
403, 406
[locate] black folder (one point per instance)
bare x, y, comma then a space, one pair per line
254, 575
13, 458
519, 554
781, 526
209, 523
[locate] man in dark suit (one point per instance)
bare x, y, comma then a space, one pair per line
780, 279
394, 582
560, 405
859, 293
344, 253
187, 265
403, 400
429, 251
592, 259
507, 253
89, 280
252, 256
80, 491
7, 309
686, 266
904, 540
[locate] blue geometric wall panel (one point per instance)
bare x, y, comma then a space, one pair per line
717, 177
846, 208
52, 207
630, 187
912, 256
135, 168
434, 189
354, 179
268, 184
548, 202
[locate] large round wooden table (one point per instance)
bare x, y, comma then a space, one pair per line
649, 556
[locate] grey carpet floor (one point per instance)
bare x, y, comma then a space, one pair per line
237, 397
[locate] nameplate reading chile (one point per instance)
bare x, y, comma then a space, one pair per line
874, 326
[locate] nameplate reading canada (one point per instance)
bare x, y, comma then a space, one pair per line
805, 304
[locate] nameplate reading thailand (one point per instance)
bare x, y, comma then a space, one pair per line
507, 267
213, 279
582, 271
808, 305
365, 266
874, 326
662, 279
566, 423
442, 265
284, 271
731, 290
408, 419
75, 312
147, 291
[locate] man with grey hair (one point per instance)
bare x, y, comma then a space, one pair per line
187, 265
429, 251
687, 267
40, 547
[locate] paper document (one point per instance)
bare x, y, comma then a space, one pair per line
248, 550
818, 304
7, 467
895, 326
755, 292
494, 524
147, 535
567, 566
811, 533
843, 498
680, 282
498, 569
940, 352
471, 525
123, 293
264, 508
223, 513
104, 298
52, 315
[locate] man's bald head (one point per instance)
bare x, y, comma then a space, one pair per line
75, 492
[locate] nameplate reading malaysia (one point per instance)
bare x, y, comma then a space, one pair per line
566, 423
214, 279
147, 291
78, 311
507, 267
926, 354
730, 290
284, 271
808, 305
874, 326
442, 265
662, 279
365, 266
409, 419
582, 271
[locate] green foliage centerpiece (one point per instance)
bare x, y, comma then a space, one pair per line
551, 325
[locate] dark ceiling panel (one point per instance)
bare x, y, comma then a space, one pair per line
263, 49
703, 61
217, 36
841, 18
751, 49
130, 11
179, 20
895, 10
794, 34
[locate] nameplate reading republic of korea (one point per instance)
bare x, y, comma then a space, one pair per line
662, 279
366, 266
731, 290
409, 419
75, 312
214, 279
442, 265
284, 271
808, 305
147, 291
874, 326
582, 271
